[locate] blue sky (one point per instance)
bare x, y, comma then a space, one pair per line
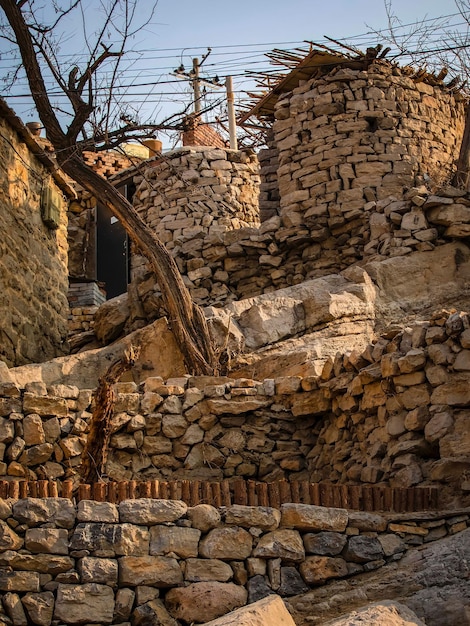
239, 34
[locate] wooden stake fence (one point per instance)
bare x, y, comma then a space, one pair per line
239, 491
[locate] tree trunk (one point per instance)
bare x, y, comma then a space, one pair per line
462, 175
95, 453
186, 319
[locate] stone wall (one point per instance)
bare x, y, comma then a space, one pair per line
154, 561
355, 136
192, 198
33, 258
396, 414
246, 262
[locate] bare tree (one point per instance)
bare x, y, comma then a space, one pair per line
89, 127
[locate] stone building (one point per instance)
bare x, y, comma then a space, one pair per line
33, 258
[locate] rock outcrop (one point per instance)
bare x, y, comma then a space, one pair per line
433, 582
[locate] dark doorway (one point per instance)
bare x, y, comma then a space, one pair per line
112, 249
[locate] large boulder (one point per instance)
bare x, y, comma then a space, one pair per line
270, 611
200, 602
159, 356
380, 614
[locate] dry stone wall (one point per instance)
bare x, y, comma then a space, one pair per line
191, 198
395, 414
155, 561
351, 163
33, 259
248, 261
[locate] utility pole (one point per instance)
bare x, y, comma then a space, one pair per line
232, 124
195, 80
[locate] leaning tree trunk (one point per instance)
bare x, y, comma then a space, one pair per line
462, 175
186, 319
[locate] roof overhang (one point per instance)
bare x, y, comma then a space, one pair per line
315, 60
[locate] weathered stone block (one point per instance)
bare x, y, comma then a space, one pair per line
47, 540
78, 604
265, 518
147, 511
361, 549
178, 540
316, 570
96, 570
226, 543
324, 543
159, 571
199, 570
33, 511
204, 601
310, 517
283, 543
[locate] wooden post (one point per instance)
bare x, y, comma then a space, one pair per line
355, 494
252, 499
274, 495
315, 494
14, 489
206, 493
84, 492
195, 497
216, 495
304, 492
67, 489
123, 493
23, 489
112, 492
294, 486
226, 494
239, 492
145, 489
262, 491
186, 492
164, 491
285, 492
132, 489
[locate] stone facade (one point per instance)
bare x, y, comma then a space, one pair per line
351, 172
160, 562
33, 257
395, 414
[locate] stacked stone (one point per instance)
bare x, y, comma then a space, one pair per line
419, 222
108, 163
400, 410
396, 414
81, 319
155, 561
356, 137
190, 199
33, 258
269, 187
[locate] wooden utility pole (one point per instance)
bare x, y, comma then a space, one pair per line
196, 87
232, 124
